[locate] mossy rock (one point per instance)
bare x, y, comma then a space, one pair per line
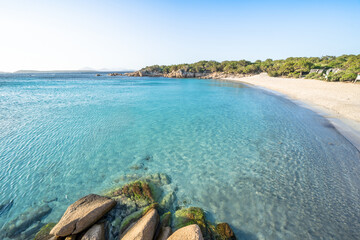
44, 232
128, 220
139, 192
224, 232
194, 215
165, 219
188, 216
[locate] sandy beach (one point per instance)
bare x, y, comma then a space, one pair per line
336, 100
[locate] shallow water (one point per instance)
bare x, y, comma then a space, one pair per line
271, 169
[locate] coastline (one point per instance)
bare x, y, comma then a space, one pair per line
337, 102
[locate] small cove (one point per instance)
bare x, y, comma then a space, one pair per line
268, 167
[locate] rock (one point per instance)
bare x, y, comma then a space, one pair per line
225, 232
30, 232
128, 220
96, 232
145, 228
191, 232
5, 207
168, 200
138, 192
25, 220
193, 215
137, 166
82, 214
164, 233
165, 219
44, 232
132, 218
71, 237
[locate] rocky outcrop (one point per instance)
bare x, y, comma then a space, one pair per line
82, 214
20, 224
191, 232
186, 74
225, 232
145, 228
130, 213
96, 232
144, 74
115, 74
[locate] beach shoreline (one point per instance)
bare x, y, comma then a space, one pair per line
336, 101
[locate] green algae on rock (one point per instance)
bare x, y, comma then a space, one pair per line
44, 232
188, 216
165, 219
128, 220
194, 215
224, 232
138, 192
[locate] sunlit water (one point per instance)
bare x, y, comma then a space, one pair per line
271, 169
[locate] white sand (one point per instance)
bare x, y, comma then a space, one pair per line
338, 100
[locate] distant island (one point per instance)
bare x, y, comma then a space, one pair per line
329, 68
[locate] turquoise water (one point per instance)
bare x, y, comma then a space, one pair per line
271, 169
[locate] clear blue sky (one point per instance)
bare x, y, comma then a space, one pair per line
131, 34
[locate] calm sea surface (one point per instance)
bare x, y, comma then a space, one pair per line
271, 169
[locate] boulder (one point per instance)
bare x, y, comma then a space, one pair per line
82, 214
164, 233
225, 232
191, 232
96, 232
145, 228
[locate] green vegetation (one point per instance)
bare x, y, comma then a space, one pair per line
347, 67
44, 232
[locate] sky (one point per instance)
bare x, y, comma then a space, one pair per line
116, 34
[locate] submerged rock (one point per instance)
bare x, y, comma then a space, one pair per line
5, 207
191, 232
145, 228
30, 232
25, 220
44, 232
138, 192
82, 214
224, 232
137, 166
96, 232
168, 200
